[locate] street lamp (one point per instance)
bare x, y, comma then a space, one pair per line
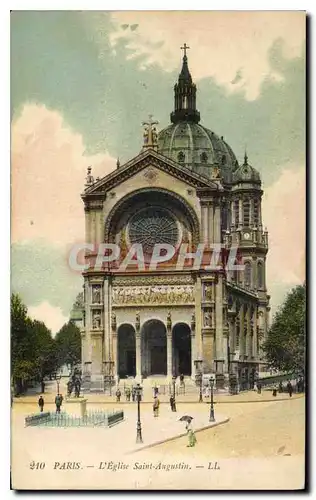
138, 390
199, 377
174, 408
58, 377
212, 418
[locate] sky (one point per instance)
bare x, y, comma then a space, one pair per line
82, 83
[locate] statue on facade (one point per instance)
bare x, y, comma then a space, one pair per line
207, 319
137, 321
193, 321
96, 294
169, 321
113, 320
208, 293
150, 135
96, 322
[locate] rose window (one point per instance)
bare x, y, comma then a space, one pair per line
152, 226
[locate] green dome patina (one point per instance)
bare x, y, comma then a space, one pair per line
197, 148
246, 173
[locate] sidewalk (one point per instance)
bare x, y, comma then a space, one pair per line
246, 397
120, 439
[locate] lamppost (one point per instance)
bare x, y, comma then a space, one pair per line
174, 408
138, 391
199, 376
212, 418
58, 377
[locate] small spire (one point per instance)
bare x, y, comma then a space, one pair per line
246, 158
118, 164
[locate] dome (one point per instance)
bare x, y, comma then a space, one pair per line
197, 148
246, 173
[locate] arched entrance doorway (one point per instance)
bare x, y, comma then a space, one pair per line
126, 351
154, 348
181, 342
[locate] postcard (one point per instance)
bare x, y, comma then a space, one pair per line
158, 295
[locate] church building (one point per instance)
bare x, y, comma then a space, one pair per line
185, 189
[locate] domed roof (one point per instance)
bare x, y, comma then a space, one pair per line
198, 148
246, 173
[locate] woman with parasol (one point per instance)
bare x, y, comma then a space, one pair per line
189, 429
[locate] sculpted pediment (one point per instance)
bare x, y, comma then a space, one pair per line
150, 162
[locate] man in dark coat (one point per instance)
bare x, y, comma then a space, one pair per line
41, 403
118, 395
289, 388
58, 402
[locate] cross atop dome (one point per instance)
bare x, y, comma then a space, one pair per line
184, 48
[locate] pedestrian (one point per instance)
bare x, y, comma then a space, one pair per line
118, 395
133, 393
191, 435
156, 390
58, 402
280, 387
274, 391
181, 379
41, 403
259, 386
171, 403
289, 388
128, 394
156, 406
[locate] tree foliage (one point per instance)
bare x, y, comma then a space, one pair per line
286, 341
68, 345
32, 347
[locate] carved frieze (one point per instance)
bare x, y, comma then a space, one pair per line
133, 281
153, 295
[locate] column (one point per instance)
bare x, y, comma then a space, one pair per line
193, 353
241, 219
204, 213
114, 354
251, 212
217, 223
219, 341
210, 216
169, 354
198, 318
106, 321
242, 331
138, 356
233, 218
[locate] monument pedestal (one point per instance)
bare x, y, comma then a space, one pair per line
76, 406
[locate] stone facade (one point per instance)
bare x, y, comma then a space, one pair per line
143, 322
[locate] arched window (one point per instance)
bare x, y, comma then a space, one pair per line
260, 275
247, 274
236, 211
181, 157
203, 157
246, 206
256, 212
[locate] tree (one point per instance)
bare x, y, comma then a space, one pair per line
32, 347
286, 341
68, 345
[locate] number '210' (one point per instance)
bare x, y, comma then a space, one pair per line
37, 465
